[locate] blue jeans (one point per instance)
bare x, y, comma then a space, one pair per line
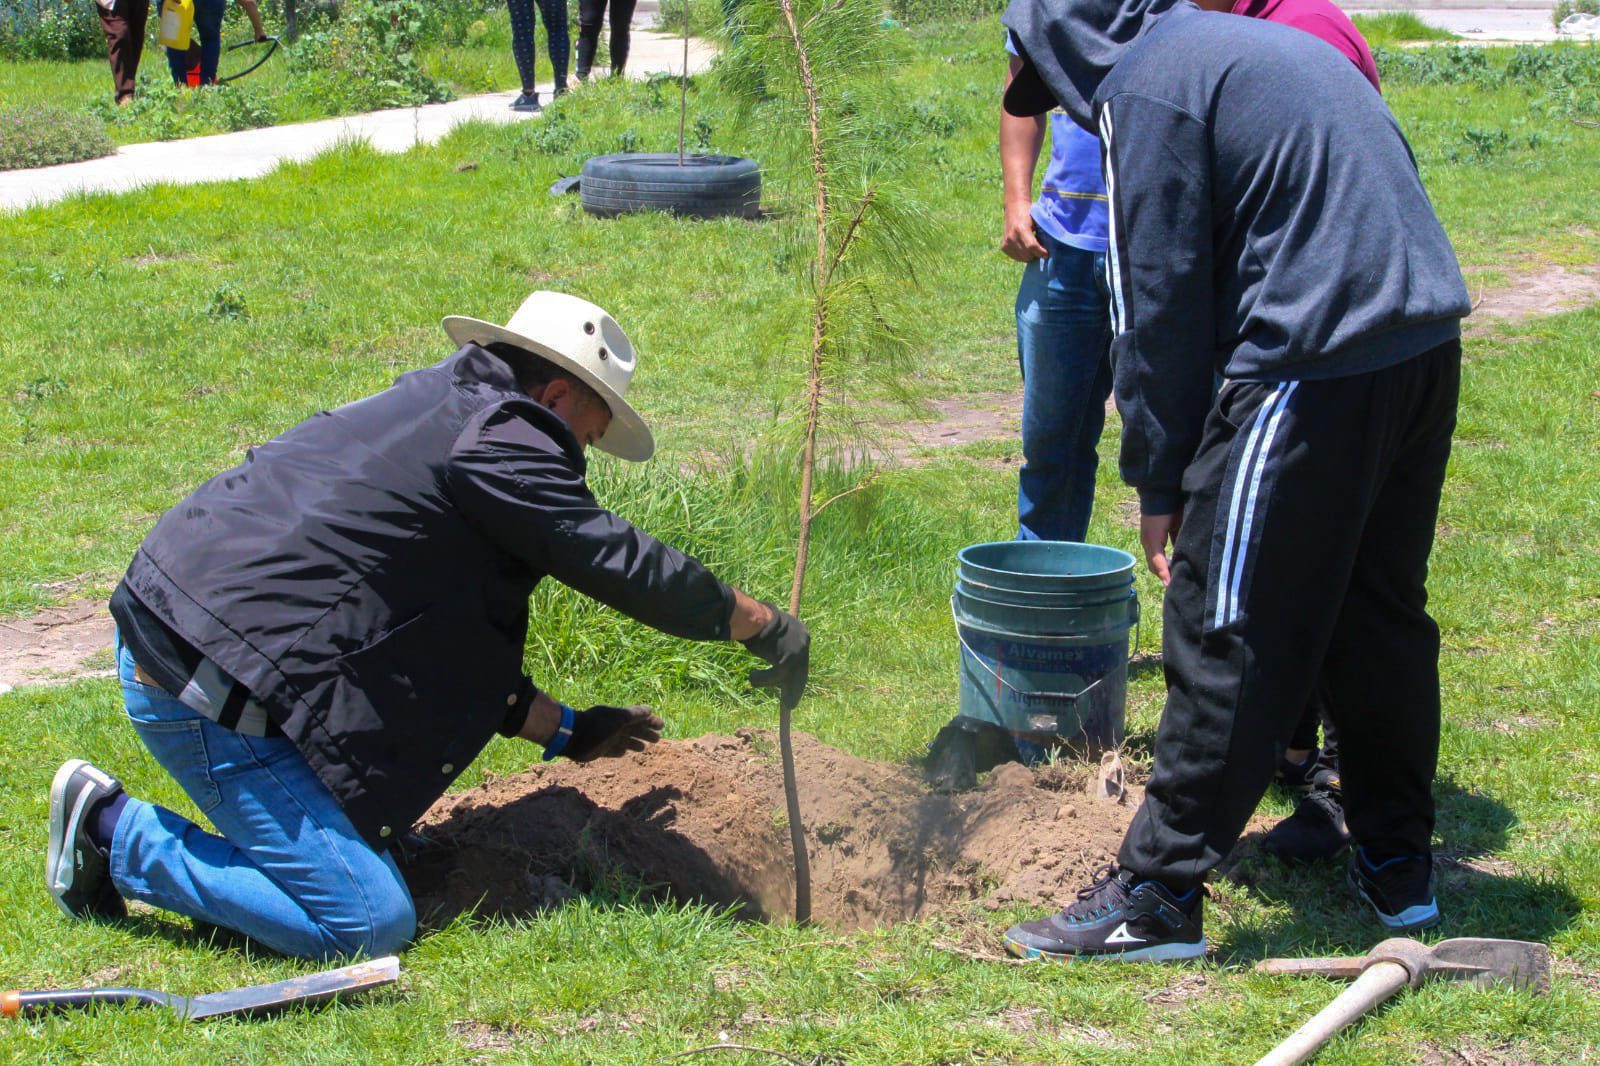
289, 870
208, 32
1063, 344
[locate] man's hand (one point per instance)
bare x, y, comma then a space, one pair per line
785, 642
1019, 240
1156, 532
602, 732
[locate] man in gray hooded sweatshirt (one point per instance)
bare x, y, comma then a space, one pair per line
1268, 226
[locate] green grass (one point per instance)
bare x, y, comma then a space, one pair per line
1398, 27
150, 338
481, 62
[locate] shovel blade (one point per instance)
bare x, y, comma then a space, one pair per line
307, 989
1483, 961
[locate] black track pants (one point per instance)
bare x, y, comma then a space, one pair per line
590, 15
1303, 555
522, 38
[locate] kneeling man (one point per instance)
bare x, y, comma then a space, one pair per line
317, 642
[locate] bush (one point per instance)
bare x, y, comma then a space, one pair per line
42, 136
914, 11
367, 57
50, 29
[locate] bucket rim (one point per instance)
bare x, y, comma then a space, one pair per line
1125, 560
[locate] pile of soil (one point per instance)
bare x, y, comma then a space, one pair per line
703, 820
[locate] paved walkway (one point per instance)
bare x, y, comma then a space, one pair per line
1515, 21
251, 153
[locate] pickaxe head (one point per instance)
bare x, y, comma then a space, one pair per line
1479, 960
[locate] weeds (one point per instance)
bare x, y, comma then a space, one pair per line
45, 136
50, 29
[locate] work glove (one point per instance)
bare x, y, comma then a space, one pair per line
601, 732
785, 642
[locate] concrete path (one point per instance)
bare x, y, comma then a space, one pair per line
1514, 21
249, 154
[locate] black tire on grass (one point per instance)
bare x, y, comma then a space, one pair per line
705, 186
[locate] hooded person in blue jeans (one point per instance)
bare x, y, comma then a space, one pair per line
316, 643
1268, 227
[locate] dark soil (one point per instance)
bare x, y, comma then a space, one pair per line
703, 820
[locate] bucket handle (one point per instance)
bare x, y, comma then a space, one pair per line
1070, 697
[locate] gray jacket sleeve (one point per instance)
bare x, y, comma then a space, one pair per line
1157, 169
527, 495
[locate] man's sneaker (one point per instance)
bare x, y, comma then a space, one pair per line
1400, 890
77, 870
1314, 832
526, 102
1119, 918
1296, 778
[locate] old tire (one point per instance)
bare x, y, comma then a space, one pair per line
705, 186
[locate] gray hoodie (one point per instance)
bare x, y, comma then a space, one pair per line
1267, 220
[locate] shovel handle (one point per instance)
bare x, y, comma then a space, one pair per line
1342, 968
1380, 981
20, 1003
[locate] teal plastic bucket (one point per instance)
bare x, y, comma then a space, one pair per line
1043, 628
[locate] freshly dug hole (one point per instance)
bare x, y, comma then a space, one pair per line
703, 820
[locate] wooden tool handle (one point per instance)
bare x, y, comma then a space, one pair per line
1345, 968
1380, 981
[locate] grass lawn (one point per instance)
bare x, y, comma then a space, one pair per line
149, 339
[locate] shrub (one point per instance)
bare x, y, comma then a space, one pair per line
914, 11
367, 57
50, 29
42, 136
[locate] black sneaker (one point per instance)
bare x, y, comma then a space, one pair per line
1400, 890
1314, 832
526, 102
1117, 918
77, 870
1296, 778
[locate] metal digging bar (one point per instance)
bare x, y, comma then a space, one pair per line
1393, 965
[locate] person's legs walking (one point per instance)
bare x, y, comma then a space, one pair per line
621, 34
558, 38
208, 16
124, 29
1063, 336
288, 870
523, 42
591, 13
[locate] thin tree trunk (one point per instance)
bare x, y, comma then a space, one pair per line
683, 84
808, 458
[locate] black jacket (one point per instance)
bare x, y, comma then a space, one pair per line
366, 575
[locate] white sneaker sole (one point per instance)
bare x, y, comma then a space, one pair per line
1153, 953
66, 814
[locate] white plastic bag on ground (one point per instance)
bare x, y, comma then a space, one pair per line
1580, 25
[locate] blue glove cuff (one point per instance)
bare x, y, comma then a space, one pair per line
558, 743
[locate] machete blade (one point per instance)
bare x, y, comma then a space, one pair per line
310, 988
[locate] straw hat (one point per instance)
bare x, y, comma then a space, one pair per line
581, 339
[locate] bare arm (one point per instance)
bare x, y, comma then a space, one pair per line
253, 13
1021, 140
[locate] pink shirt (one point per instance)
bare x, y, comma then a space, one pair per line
1321, 19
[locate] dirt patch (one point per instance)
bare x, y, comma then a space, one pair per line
702, 819
1548, 291
54, 644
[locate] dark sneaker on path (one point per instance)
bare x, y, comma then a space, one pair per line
1119, 918
1400, 890
77, 870
1314, 832
526, 102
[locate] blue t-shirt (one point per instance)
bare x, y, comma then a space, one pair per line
1071, 206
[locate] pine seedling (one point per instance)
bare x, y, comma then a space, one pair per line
816, 72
